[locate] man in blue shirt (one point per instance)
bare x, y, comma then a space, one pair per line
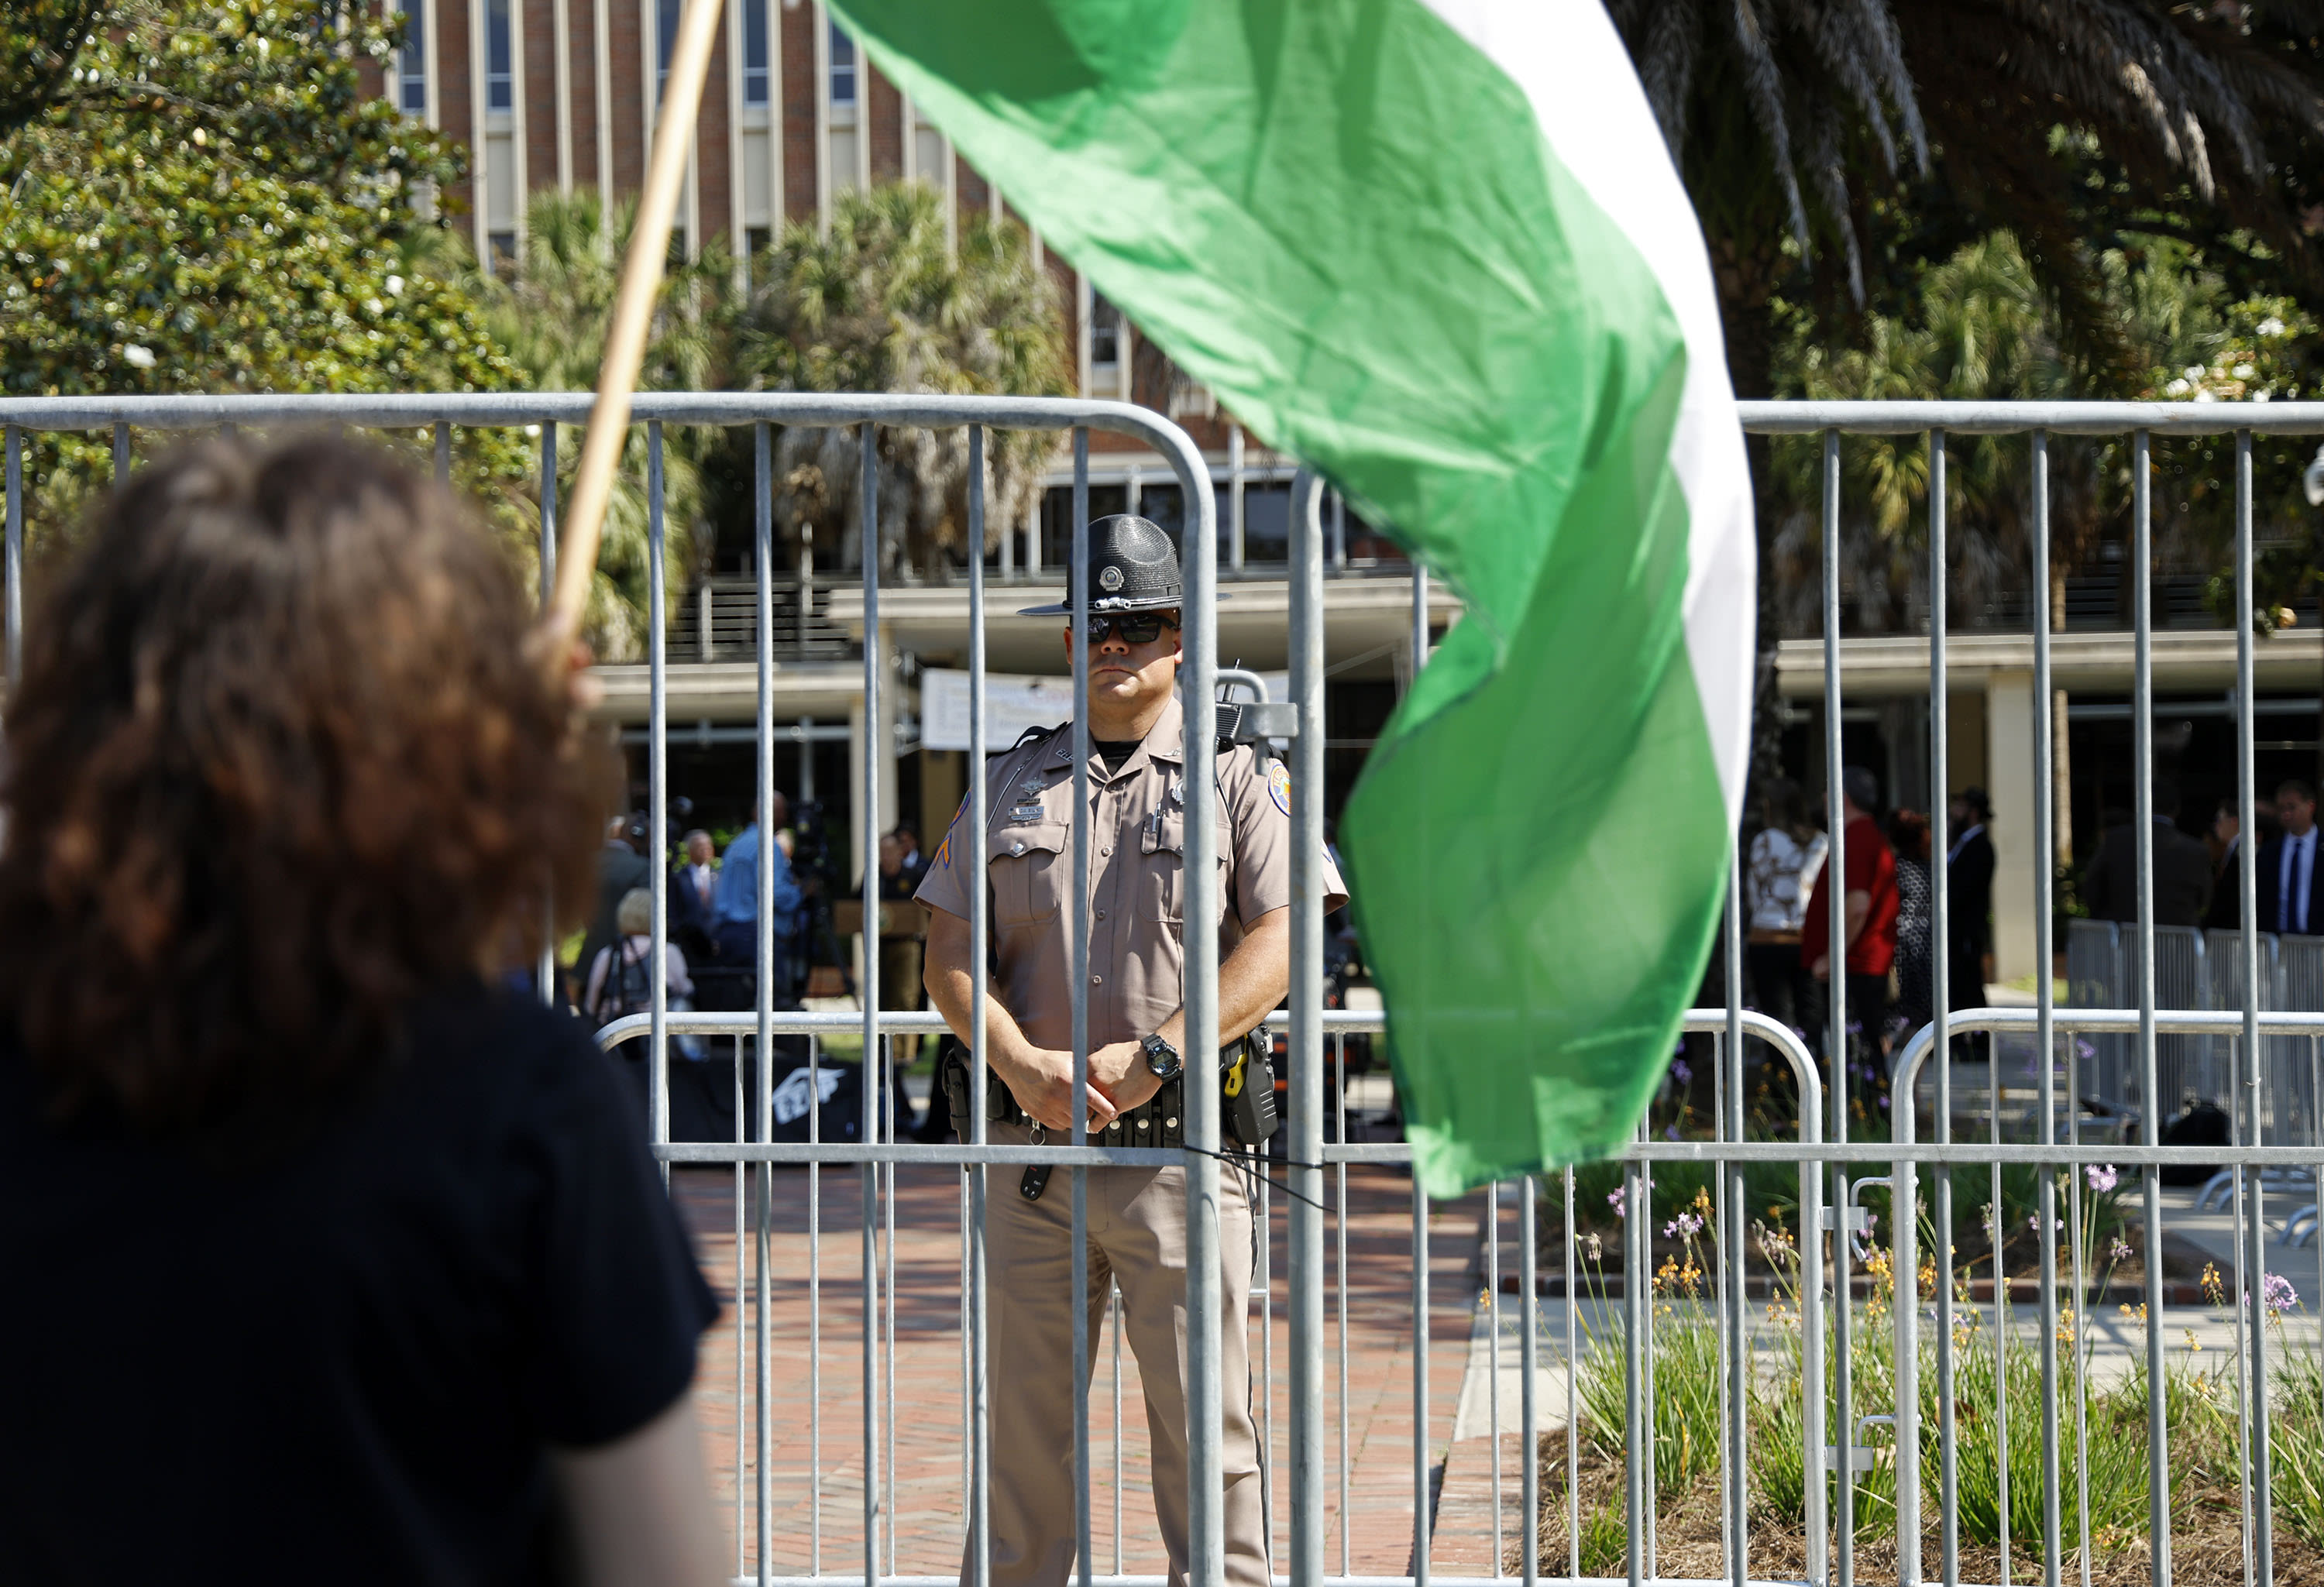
734, 915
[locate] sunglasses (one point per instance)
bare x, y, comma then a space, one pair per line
1136, 628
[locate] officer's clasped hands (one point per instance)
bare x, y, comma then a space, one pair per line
1119, 1070
1041, 1079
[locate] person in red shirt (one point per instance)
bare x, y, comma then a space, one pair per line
1868, 922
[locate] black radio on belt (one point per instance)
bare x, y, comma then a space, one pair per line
1246, 1097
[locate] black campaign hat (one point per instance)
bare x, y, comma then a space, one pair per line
1133, 567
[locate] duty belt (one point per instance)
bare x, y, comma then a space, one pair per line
1246, 1110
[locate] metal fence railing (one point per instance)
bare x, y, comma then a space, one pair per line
1792, 1382
2197, 970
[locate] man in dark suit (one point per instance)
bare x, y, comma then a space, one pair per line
2287, 866
2225, 913
1969, 899
2182, 870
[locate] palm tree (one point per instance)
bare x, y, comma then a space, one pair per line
1984, 332
1792, 121
880, 304
550, 310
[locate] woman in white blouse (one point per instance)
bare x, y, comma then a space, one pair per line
1779, 875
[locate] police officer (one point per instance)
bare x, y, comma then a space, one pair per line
1137, 1215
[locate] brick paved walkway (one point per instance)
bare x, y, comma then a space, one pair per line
928, 1481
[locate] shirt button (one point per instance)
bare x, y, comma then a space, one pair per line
1101, 914
1018, 847
1107, 850
1097, 981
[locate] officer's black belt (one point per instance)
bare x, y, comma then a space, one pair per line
1246, 1103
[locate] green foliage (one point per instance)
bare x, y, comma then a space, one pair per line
879, 302
1985, 327
217, 205
1834, 150
2298, 1452
38, 42
1605, 1542
2116, 1461
552, 311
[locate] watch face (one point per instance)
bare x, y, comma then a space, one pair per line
1161, 1057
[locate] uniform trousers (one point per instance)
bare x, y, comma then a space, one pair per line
1138, 1239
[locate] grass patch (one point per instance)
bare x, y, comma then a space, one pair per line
2104, 1468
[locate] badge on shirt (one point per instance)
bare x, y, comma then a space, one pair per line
1278, 785
1177, 790
1026, 812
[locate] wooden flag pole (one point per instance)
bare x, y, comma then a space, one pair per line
625, 342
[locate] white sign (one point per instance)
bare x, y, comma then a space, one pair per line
791, 1098
1013, 702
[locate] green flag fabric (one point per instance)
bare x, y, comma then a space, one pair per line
1436, 249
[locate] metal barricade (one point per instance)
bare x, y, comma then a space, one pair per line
902, 1324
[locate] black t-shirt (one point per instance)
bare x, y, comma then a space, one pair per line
348, 1360
1115, 753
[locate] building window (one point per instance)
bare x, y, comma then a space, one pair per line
1105, 331
504, 246
500, 58
411, 61
754, 51
842, 67
666, 14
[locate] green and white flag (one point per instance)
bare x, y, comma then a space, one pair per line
1436, 248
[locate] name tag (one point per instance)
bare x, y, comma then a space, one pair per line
1026, 813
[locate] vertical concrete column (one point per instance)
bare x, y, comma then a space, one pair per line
865, 826
943, 780
2009, 729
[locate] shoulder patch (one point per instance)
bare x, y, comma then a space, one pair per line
1278, 785
943, 849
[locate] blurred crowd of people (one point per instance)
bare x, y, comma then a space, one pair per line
713, 928
1886, 919
1888, 900
2197, 880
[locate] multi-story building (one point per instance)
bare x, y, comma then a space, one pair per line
564, 94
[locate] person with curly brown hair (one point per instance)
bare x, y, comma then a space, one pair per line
321, 1254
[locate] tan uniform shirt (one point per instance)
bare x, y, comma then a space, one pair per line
1137, 881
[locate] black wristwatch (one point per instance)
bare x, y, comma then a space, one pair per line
1161, 1058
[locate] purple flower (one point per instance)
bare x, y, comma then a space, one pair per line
2102, 1177
1670, 1133
1613, 1199
1685, 1226
2034, 1223
2120, 1249
1681, 1071
2277, 1295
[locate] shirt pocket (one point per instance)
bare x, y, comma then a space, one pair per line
1162, 851
1030, 867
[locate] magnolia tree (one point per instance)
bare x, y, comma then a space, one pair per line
205, 199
